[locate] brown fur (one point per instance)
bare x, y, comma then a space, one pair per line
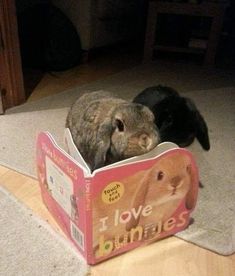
107, 129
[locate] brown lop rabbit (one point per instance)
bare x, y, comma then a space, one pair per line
107, 129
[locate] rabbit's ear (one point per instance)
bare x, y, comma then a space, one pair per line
202, 131
138, 198
92, 112
191, 197
201, 126
104, 140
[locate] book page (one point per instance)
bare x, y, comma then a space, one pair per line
72, 150
159, 149
76, 155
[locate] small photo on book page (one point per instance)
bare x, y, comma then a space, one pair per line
60, 185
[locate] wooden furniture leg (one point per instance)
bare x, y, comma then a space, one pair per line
150, 32
213, 40
11, 76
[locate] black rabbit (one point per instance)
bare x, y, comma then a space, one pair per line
176, 117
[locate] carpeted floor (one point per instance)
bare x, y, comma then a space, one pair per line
214, 217
30, 247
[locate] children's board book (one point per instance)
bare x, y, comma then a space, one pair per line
119, 207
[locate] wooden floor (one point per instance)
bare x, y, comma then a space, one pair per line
168, 257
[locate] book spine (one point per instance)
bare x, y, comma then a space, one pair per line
88, 217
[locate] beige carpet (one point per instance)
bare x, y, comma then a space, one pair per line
30, 247
214, 217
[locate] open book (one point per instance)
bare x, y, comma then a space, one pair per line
120, 206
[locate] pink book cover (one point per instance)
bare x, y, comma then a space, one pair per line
121, 206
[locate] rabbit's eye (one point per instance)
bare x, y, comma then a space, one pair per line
119, 125
169, 119
160, 175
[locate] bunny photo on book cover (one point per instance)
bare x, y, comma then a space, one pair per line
145, 205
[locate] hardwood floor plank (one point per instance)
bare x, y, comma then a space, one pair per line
3, 170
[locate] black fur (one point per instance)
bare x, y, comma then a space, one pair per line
177, 118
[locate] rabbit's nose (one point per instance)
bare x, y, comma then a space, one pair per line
144, 141
176, 181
